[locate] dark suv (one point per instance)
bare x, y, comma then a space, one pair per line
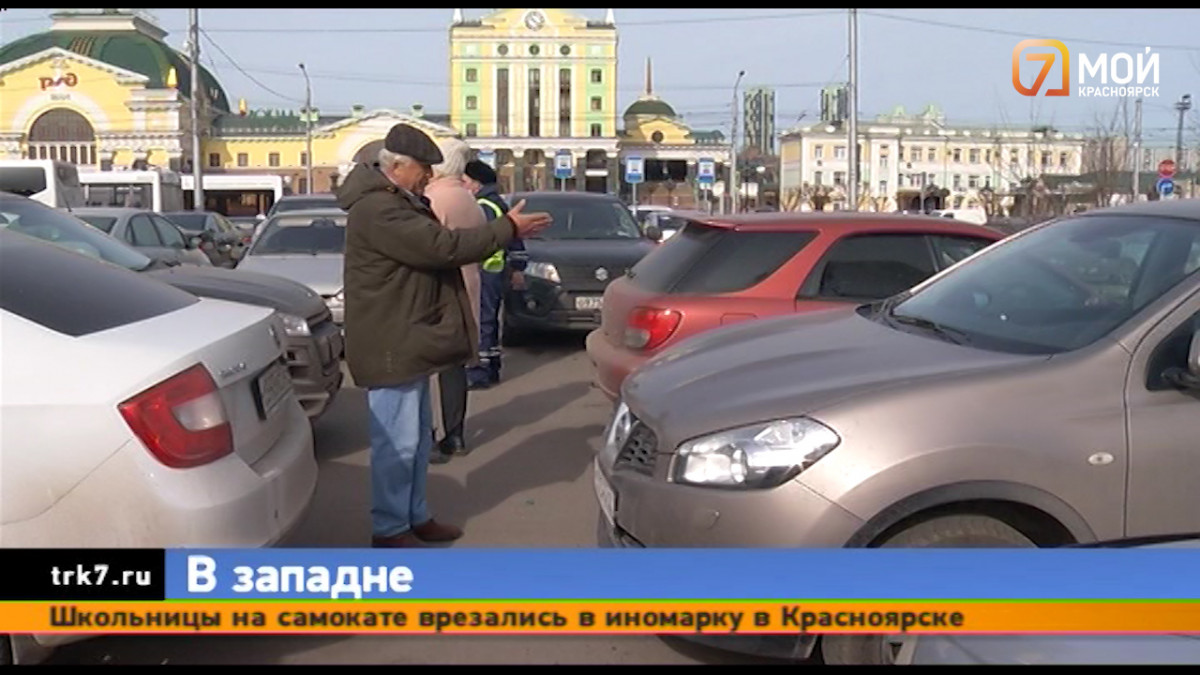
594, 239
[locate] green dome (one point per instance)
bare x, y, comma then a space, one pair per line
127, 49
650, 106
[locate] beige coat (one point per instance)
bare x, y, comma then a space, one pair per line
456, 208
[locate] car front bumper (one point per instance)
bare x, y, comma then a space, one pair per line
549, 307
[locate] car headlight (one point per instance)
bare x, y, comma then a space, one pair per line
757, 456
618, 429
294, 326
340, 297
543, 270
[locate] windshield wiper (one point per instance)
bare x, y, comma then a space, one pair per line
949, 334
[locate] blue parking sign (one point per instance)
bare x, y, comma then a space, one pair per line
634, 170
706, 171
1165, 187
563, 165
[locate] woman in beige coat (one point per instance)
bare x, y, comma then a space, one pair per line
456, 208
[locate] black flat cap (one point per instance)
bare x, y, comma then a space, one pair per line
410, 141
481, 172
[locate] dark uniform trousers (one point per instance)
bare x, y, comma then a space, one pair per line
491, 294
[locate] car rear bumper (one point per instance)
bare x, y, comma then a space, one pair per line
314, 362
611, 364
224, 504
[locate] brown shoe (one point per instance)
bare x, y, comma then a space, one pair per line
434, 531
406, 540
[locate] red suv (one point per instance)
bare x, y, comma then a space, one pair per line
720, 270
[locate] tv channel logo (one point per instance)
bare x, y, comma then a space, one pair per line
1096, 76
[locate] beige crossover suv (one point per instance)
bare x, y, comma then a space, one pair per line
1043, 392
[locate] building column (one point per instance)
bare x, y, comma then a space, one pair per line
518, 170
548, 159
692, 167
614, 173
581, 171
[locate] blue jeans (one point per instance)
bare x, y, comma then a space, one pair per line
401, 440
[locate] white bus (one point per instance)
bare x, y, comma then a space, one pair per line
235, 195
53, 183
157, 189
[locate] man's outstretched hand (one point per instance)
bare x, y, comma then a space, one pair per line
528, 224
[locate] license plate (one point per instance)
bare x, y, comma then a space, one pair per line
604, 493
589, 302
271, 389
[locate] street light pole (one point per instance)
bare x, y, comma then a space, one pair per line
308, 156
852, 173
197, 160
733, 149
1184, 105
1137, 151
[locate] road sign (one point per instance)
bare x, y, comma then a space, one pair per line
488, 157
563, 165
1166, 168
634, 170
706, 171
1165, 187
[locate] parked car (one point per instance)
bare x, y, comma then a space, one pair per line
307, 247
286, 203
156, 236
137, 415
1061, 650
727, 269
594, 240
1017, 399
229, 241
314, 342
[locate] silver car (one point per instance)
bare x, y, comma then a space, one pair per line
149, 232
1044, 650
307, 247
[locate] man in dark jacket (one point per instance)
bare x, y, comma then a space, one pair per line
408, 317
482, 179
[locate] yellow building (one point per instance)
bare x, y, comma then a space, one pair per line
102, 90
671, 152
527, 85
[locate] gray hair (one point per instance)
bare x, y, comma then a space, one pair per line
455, 156
389, 159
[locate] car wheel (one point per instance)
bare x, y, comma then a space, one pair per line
510, 336
957, 531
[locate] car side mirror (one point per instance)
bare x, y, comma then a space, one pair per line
654, 233
1187, 378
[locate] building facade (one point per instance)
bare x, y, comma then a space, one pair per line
528, 85
906, 161
103, 90
759, 115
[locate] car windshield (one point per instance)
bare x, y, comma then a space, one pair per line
578, 218
188, 222
102, 223
1056, 289
38, 220
295, 234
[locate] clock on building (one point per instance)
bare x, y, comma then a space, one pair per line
535, 20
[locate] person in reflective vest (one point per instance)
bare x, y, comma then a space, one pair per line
509, 261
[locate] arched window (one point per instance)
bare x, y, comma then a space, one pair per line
64, 135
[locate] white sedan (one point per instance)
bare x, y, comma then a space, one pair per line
135, 415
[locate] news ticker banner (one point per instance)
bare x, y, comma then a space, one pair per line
585, 591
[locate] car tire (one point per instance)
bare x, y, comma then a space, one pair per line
509, 335
955, 531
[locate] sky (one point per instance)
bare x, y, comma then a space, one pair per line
957, 59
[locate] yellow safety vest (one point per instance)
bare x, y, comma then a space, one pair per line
496, 262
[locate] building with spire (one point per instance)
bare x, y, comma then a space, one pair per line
671, 150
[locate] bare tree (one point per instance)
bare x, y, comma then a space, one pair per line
1106, 157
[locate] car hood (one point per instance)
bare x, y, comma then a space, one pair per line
242, 286
322, 272
789, 366
617, 253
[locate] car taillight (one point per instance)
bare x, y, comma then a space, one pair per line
182, 420
649, 327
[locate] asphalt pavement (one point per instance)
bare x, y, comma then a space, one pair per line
526, 484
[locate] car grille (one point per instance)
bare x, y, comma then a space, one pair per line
640, 451
583, 277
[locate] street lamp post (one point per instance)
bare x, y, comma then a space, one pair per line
733, 149
308, 156
1184, 105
